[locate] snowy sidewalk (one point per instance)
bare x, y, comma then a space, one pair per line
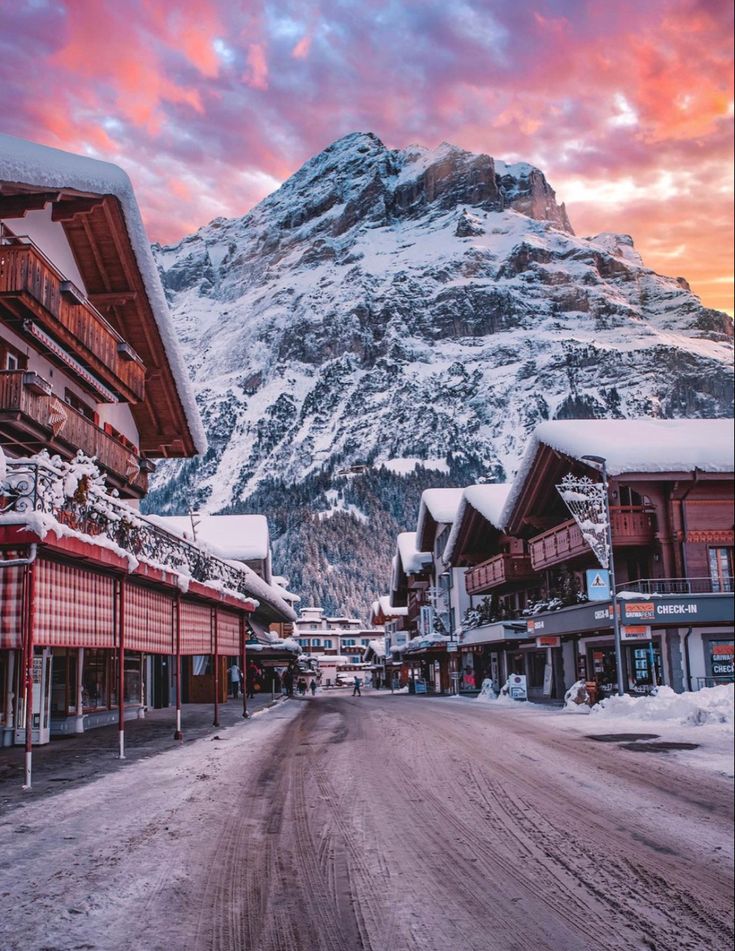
70, 761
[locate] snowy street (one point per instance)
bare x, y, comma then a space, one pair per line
382, 822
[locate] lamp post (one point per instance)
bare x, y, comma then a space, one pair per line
600, 463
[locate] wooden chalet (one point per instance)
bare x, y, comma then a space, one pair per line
99, 604
527, 562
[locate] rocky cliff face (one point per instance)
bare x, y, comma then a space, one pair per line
418, 303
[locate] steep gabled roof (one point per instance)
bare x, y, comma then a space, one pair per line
438, 507
112, 238
479, 503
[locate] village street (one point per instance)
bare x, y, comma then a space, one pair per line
378, 822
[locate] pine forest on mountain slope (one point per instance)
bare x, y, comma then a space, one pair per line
432, 304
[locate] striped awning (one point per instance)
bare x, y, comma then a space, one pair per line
74, 607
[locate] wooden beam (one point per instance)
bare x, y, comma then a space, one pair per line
16, 206
70, 208
113, 298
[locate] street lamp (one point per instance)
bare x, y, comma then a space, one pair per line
600, 463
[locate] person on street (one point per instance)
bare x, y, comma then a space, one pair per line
356, 688
301, 686
312, 687
251, 675
288, 682
235, 678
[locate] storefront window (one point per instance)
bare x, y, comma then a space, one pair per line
641, 664
64, 682
95, 680
604, 669
720, 569
133, 678
721, 655
201, 665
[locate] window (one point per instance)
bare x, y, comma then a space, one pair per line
327, 642
720, 569
10, 358
79, 405
365, 641
95, 680
348, 641
316, 642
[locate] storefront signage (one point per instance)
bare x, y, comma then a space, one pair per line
585, 617
635, 632
548, 640
679, 609
598, 584
722, 658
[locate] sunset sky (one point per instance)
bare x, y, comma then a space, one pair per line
209, 104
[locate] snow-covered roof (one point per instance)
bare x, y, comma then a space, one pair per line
439, 506
377, 646
412, 560
388, 609
29, 163
240, 537
489, 500
634, 445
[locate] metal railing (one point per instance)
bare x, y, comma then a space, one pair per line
74, 495
723, 585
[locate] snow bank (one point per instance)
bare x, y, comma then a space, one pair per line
711, 705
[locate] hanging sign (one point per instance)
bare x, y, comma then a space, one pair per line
635, 632
598, 584
548, 640
587, 502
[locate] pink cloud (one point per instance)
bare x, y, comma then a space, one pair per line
257, 72
207, 102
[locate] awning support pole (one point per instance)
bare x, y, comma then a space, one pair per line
178, 735
216, 669
121, 671
28, 669
244, 679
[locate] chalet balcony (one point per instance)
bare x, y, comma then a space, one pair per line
632, 527
34, 293
33, 420
500, 570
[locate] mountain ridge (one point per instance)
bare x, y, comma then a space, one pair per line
418, 303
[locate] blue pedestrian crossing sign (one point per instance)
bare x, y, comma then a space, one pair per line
598, 584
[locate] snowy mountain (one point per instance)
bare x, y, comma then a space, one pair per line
431, 304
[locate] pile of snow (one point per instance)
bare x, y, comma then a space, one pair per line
236, 537
491, 693
709, 705
577, 698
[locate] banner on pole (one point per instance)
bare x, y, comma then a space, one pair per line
587, 503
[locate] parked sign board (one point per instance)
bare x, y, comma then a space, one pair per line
517, 687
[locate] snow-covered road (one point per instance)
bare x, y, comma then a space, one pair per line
379, 822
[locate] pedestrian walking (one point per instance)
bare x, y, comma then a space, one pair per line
356, 688
312, 687
301, 686
235, 678
288, 682
250, 679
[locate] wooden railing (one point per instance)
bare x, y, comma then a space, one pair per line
65, 425
496, 571
25, 272
631, 526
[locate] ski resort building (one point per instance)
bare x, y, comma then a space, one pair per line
541, 607
337, 643
98, 604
